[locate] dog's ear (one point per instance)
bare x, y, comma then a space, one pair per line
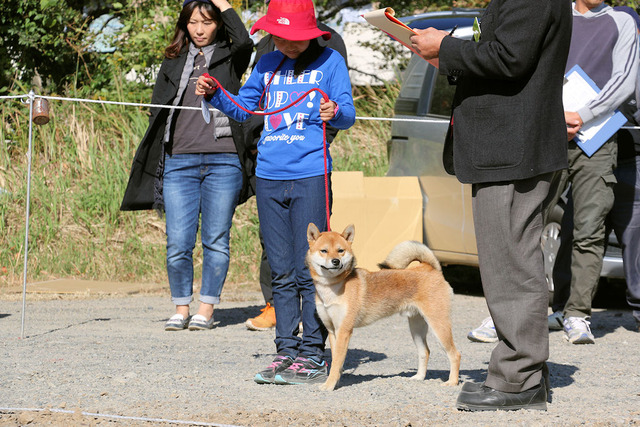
312, 233
349, 233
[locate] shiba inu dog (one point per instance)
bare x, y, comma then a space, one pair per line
349, 297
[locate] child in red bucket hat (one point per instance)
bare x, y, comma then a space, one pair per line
290, 171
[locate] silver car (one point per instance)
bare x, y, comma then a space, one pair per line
423, 109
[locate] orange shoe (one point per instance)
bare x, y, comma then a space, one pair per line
264, 321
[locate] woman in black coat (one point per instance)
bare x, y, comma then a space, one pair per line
190, 169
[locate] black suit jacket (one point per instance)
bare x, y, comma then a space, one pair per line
508, 119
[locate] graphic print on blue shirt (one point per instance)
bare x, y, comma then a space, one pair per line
291, 144
279, 98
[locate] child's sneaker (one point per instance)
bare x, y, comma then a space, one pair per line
577, 331
303, 371
280, 363
486, 332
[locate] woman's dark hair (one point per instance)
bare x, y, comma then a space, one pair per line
181, 37
307, 57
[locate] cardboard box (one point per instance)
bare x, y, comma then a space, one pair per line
384, 210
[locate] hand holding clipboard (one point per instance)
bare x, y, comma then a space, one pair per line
385, 20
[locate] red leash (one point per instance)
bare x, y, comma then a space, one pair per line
324, 132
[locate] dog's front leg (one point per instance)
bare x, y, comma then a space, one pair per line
339, 348
332, 343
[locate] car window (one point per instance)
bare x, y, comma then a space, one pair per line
424, 91
442, 97
411, 99
414, 78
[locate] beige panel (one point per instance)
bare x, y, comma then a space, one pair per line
384, 210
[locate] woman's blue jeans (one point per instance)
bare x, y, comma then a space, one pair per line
207, 186
285, 209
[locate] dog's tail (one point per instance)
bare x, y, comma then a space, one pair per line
406, 252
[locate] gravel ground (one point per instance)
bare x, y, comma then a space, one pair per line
109, 355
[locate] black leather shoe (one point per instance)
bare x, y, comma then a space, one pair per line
472, 387
479, 397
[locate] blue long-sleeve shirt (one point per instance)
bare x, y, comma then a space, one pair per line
291, 144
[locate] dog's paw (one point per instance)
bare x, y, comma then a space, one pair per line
327, 386
450, 383
417, 377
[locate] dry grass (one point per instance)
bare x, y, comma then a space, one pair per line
80, 167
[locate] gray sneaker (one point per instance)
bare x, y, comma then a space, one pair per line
577, 331
555, 321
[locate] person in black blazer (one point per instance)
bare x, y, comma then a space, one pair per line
189, 168
507, 137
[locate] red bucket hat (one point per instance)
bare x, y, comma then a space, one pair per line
291, 20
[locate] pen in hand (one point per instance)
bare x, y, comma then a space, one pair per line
455, 27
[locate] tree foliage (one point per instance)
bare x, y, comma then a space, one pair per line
39, 36
51, 40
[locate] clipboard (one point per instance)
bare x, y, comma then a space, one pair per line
385, 20
578, 90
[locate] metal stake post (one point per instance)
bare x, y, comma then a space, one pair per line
26, 229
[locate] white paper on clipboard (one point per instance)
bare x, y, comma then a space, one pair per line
577, 91
385, 20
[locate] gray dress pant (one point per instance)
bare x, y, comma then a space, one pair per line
508, 226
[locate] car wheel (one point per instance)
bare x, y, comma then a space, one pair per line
550, 243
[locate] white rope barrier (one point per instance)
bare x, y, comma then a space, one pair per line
115, 417
136, 104
130, 104
13, 97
